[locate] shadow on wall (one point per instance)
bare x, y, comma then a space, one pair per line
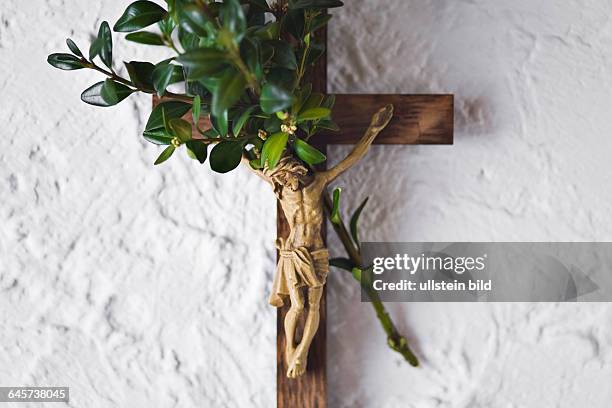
472, 117
427, 50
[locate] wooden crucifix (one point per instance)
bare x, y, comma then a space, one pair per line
417, 119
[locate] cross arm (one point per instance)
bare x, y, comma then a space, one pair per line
417, 119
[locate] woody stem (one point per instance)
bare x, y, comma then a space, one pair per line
395, 340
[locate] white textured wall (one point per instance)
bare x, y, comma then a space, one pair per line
146, 287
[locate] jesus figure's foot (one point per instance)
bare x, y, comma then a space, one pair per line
297, 365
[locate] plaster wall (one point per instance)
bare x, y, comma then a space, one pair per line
146, 287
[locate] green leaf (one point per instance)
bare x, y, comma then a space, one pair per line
314, 4
113, 92
178, 75
262, 4
319, 21
73, 47
162, 76
281, 77
171, 109
165, 122
274, 98
293, 22
329, 125
314, 53
102, 45
273, 149
157, 136
106, 93
313, 114
196, 109
250, 51
355, 220
197, 150
308, 153
302, 95
267, 52
197, 88
314, 101
211, 133
139, 14
226, 156
180, 128
257, 143
145, 37
66, 62
283, 55
342, 263
356, 272
233, 18
106, 47
187, 40
202, 62
270, 31
209, 83
335, 214
329, 102
94, 49
256, 14
141, 74
167, 25
193, 20
241, 121
272, 124
231, 87
256, 17
165, 155
219, 123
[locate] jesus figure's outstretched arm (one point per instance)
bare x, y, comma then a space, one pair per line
378, 123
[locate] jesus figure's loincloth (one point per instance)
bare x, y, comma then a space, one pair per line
298, 267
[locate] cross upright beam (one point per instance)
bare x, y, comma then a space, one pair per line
310, 389
417, 119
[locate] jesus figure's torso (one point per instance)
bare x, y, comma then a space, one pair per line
303, 209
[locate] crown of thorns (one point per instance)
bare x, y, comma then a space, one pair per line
286, 165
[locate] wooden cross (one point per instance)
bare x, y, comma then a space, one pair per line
417, 119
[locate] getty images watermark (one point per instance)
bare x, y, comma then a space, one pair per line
487, 272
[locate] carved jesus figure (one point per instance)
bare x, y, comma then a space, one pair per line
304, 260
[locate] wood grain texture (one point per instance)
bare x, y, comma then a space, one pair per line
417, 119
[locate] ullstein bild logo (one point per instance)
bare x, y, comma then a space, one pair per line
487, 272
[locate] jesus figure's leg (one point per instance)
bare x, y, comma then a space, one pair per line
291, 319
297, 366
